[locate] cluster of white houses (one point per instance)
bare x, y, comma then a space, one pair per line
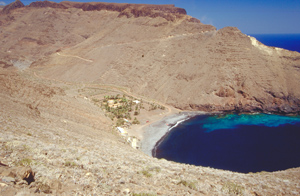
112, 104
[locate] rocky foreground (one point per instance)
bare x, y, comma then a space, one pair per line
55, 140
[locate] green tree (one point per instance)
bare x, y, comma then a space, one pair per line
120, 122
135, 121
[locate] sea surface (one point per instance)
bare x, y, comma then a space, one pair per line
242, 143
285, 41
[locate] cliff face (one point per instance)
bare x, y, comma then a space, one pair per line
156, 51
43, 4
15, 5
169, 12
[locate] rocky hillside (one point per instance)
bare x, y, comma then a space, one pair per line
157, 51
54, 141
15, 5
55, 57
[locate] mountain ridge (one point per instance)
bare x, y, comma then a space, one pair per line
169, 12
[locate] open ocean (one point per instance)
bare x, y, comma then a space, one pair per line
285, 41
242, 143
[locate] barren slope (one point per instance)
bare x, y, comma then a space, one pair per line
168, 56
71, 148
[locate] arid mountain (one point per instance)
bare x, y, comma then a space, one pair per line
58, 61
15, 5
157, 51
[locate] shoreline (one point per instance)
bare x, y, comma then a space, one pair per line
155, 132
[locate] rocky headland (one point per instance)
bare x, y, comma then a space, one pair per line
58, 61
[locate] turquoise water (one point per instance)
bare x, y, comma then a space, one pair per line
242, 143
230, 121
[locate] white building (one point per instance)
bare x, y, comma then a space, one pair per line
122, 131
136, 101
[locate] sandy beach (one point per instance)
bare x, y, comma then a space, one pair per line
155, 131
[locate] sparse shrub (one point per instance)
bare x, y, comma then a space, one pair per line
25, 147
106, 98
7, 148
95, 100
135, 121
233, 189
146, 173
120, 122
70, 164
24, 162
143, 194
156, 169
127, 115
188, 184
111, 117
123, 100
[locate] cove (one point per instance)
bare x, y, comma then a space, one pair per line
241, 143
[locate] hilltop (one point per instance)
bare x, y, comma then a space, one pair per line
59, 62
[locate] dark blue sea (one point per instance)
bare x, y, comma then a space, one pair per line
242, 143
285, 41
